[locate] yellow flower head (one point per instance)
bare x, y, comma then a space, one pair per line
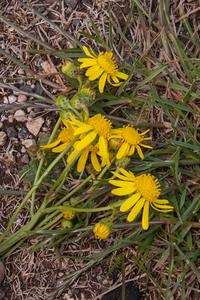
102, 65
84, 157
97, 129
65, 137
102, 229
146, 191
131, 139
68, 214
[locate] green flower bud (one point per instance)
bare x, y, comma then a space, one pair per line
66, 224
35, 152
70, 69
65, 114
83, 98
122, 162
62, 102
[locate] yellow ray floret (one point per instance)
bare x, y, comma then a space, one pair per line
65, 137
131, 139
145, 190
103, 66
97, 129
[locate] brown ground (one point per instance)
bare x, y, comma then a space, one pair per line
34, 276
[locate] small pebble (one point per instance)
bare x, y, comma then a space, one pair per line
29, 143
1, 125
35, 126
26, 88
23, 149
22, 98
20, 115
38, 90
25, 159
11, 132
23, 133
12, 99
5, 100
20, 71
3, 138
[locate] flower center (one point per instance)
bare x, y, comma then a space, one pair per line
64, 136
101, 231
101, 125
147, 187
92, 148
131, 136
107, 63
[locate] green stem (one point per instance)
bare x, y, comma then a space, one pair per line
36, 186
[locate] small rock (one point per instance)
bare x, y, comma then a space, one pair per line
12, 99
5, 100
23, 133
26, 88
72, 3
34, 126
75, 22
20, 115
38, 90
11, 132
29, 143
25, 159
20, 71
10, 119
23, 150
22, 98
3, 138
1, 125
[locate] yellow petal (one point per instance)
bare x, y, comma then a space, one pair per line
103, 147
55, 143
146, 146
123, 177
96, 74
145, 216
92, 70
140, 152
95, 162
87, 52
127, 173
131, 151
82, 129
136, 209
60, 148
121, 183
161, 210
88, 139
121, 75
87, 62
162, 201
130, 202
71, 156
123, 150
114, 78
163, 206
70, 131
82, 160
102, 82
123, 191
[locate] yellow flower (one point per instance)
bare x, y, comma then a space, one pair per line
84, 156
146, 191
102, 65
131, 139
103, 229
98, 129
65, 137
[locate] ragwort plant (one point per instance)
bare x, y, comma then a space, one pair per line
110, 152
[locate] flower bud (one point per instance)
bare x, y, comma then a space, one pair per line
35, 152
83, 98
66, 224
103, 229
70, 69
122, 162
65, 114
68, 214
114, 144
62, 102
